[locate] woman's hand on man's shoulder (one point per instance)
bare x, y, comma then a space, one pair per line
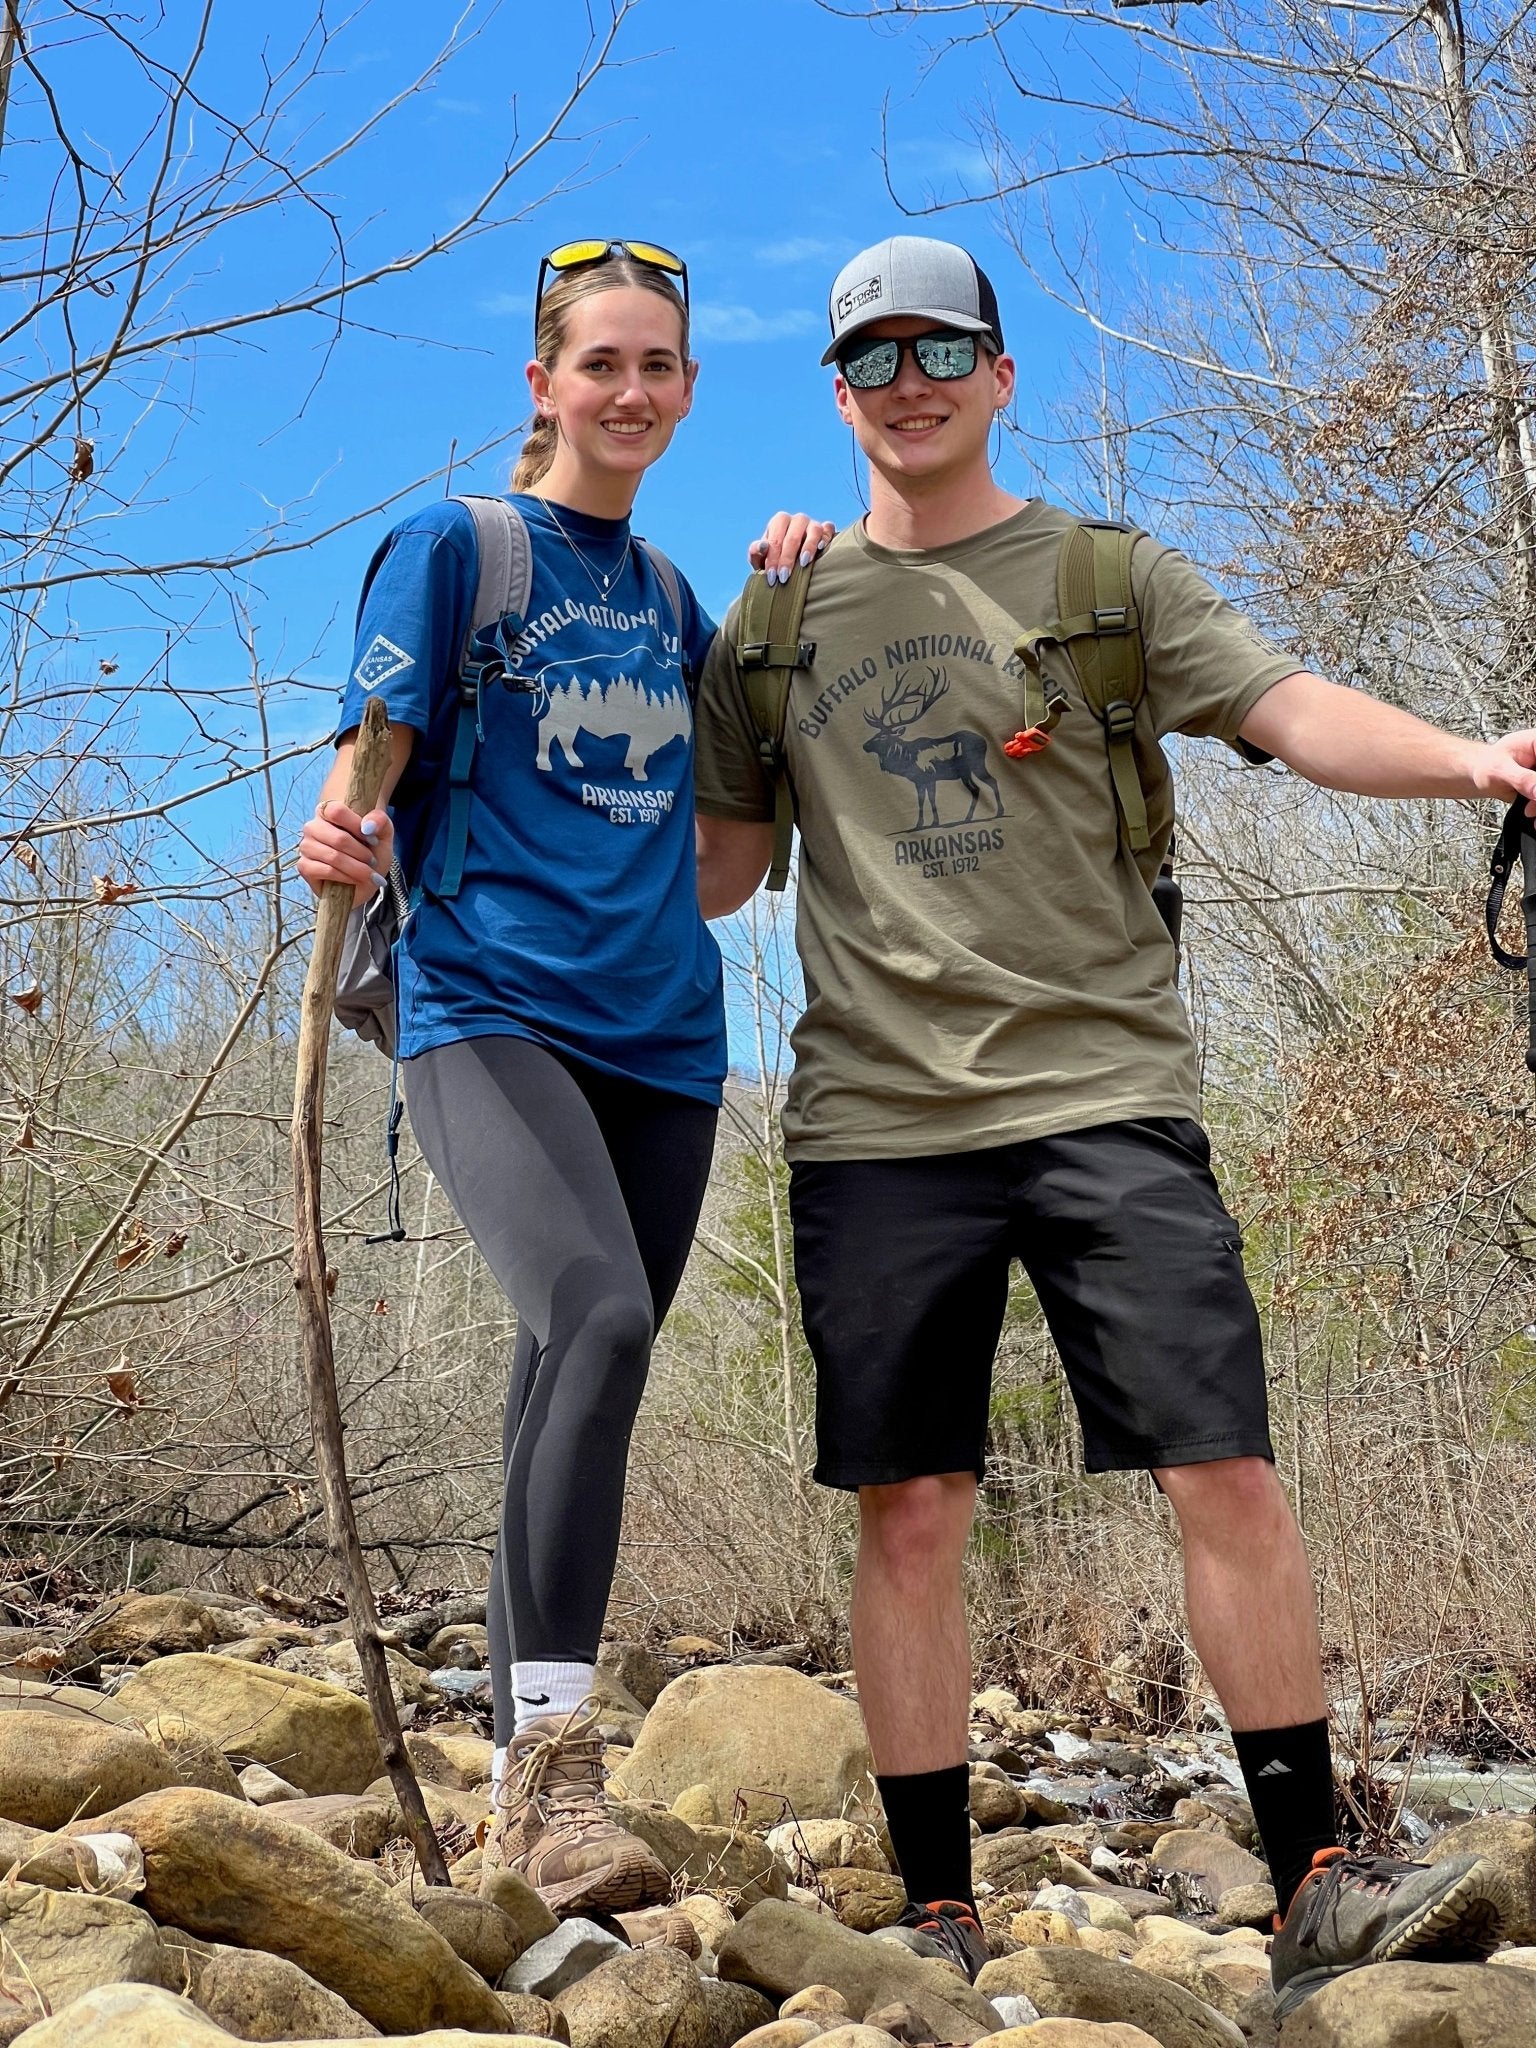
790, 538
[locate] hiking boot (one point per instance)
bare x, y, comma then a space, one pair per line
1351, 1910
551, 1823
660, 1927
945, 1927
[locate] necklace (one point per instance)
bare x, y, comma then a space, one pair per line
601, 583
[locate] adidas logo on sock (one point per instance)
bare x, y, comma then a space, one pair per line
1276, 1770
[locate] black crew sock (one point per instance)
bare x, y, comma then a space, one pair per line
929, 1816
1289, 1775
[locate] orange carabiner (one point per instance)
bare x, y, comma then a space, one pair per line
1032, 741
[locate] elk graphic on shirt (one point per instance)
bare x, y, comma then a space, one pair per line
623, 709
927, 760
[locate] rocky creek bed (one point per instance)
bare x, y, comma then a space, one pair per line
199, 1846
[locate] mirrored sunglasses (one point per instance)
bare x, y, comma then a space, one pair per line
945, 355
573, 255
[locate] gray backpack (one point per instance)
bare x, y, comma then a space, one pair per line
365, 980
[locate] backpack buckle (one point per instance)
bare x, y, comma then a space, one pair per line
1114, 618
1119, 720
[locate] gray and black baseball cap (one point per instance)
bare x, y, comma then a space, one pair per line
911, 275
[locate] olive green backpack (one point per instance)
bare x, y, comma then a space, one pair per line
1098, 625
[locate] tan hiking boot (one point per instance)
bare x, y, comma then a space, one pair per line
661, 1927
551, 1823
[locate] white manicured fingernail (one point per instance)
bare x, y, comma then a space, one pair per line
378, 879
370, 829
806, 558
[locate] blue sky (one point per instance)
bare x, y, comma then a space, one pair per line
748, 137
764, 199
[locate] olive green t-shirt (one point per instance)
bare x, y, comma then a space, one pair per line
983, 959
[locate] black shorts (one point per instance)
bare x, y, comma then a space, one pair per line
903, 1266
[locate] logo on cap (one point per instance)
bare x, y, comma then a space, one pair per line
864, 294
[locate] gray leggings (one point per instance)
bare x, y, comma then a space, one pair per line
581, 1192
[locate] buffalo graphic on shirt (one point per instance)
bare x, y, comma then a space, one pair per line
644, 719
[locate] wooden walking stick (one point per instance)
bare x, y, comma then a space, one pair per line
369, 762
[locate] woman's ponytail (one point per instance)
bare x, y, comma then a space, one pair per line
538, 452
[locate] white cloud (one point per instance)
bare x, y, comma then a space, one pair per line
800, 249
740, 323
504, 304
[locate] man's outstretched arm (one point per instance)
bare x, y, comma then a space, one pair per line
1344, 739
733, 858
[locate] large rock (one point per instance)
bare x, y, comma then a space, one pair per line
259, 1997
518, 1903
59, 1944
737, 1864
733, 2010
339, 1664
1225, 1978
134, 2016
138, 1626
58, 1768
1418, 2005
648, 1998
1074, 2034
558, 1960
639, 1670
32, 1695
1076, 1984
805, 1847
780, 1949
106, 1865
1215, 1862
732, 1862
1016, 1860
755, 1729
354, 1822
311, 1732
239, 1874
457, 1759
473, 1928
530, 2015
126, 2016
865, 1900
1509, 1842
194, 1759
996, 1802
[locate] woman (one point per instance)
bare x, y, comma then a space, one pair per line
560, 1014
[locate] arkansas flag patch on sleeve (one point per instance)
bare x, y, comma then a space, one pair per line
382, 660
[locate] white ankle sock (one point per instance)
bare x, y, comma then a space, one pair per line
542, 1689
498, 1767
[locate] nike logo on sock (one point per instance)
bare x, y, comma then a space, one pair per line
541, 1699
1276, 1770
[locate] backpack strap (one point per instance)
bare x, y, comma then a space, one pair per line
768, 651
502, 589
671, 583
1100, 628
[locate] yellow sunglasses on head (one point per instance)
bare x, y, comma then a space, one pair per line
573, 255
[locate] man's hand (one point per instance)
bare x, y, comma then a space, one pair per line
789, 538
1345, 739
1506, 769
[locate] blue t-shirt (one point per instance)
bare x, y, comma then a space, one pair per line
577, 922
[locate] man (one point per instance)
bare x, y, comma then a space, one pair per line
994, 1063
